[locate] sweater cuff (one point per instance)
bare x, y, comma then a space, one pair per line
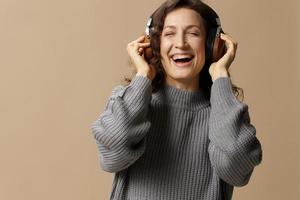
222, 95
140, 82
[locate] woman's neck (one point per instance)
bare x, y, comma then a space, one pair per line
191, 84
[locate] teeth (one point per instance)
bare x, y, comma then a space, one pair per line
175, 57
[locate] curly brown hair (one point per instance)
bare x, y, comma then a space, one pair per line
158, 18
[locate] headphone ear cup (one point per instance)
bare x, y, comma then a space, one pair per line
148, 51
218, 48
210, 45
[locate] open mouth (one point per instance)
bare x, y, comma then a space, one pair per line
182, 61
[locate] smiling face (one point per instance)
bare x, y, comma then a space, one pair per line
182, 47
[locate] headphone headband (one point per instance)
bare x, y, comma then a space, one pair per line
214, 20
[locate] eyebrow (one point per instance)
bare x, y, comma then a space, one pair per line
189, 26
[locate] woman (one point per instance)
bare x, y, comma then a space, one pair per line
177, 131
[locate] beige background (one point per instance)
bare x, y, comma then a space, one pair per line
60, 60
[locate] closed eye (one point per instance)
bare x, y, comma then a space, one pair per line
166, 34
192, 33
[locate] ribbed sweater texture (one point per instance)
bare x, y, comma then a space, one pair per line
175, 144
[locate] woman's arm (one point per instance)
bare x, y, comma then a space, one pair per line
234, 149
120, 130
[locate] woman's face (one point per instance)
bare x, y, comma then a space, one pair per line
183, 46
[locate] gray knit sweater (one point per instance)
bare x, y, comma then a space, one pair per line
176, 144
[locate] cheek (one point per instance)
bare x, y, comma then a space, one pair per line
164, 53
199, 45
165, 46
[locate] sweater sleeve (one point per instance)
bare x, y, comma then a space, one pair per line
120, 130
234, 149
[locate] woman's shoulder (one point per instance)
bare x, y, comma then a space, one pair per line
139, 83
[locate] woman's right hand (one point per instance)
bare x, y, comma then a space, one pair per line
136, 53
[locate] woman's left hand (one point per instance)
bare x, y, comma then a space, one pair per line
220, 68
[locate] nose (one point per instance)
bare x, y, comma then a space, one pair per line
180, 41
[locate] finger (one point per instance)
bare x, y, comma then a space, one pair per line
144, 44
140, 50
228, 37
134, 42
229, 42
137, 46
141, 38
225, 35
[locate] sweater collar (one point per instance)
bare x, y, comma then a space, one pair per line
181, 98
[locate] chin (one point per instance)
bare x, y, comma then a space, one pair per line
181, 76
181, 73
